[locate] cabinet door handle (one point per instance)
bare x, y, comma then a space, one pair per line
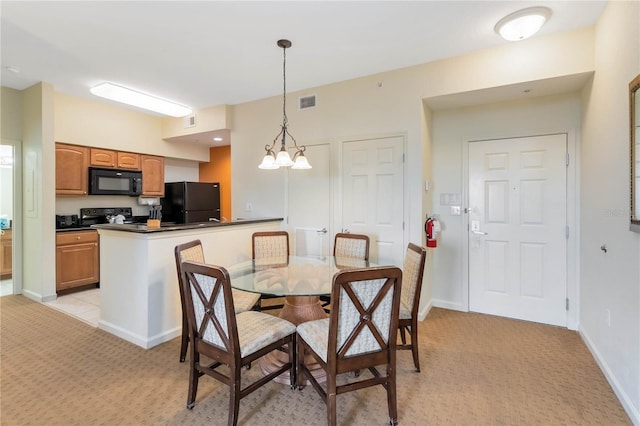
78, 237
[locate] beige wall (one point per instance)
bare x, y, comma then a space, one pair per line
452, 129
11, 113
85, 122
39, 273
610, 283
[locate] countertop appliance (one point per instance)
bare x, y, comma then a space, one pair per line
65, 221
190, 202
114, 182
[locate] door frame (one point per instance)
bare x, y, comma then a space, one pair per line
573, 241
337, 155
16, 226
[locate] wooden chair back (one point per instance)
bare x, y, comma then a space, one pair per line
412, 273
364, 318
351, 245
190, 251
270, 246
210, 311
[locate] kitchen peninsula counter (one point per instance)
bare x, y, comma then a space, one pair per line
139, 296
142, 228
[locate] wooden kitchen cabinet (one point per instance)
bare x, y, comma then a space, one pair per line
6, 254
103, 157
128, 160
72, 168
152, 175
77, 259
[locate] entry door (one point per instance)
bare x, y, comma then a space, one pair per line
309, 204
517, 228
373, 194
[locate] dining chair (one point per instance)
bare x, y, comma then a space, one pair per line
360, 333
347, 246
413, 271
267, 248
243, 300
229, 339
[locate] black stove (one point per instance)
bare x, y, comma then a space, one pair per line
96, 215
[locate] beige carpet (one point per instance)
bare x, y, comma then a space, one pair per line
476, 370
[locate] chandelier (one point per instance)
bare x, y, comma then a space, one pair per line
270, 160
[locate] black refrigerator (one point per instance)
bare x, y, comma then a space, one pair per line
189, 202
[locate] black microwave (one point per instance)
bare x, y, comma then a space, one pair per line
114, 182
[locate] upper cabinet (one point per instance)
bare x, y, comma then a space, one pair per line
152, 175
128, 160
103, 157
109, 158
72, 167
73, 161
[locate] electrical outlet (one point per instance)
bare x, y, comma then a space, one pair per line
248, 207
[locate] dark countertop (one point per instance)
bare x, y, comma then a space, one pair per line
76, 229
143, 229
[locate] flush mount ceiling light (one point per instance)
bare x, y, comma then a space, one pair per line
523, 23
138, 99
270, 160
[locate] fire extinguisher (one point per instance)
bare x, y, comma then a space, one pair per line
431, 227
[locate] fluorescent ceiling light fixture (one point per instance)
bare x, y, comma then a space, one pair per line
523, 23
140, 100
217, 139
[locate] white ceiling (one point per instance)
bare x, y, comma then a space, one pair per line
209, 53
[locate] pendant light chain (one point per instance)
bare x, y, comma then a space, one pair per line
285, 121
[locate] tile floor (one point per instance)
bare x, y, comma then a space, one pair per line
6, 287
84, 305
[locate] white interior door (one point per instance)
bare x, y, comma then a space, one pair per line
517, 228
309, 204
373, 195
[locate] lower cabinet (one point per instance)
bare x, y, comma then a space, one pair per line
77, 259
6, 255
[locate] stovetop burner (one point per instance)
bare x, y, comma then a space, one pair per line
96, 215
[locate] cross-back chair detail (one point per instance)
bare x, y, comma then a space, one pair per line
193, 251
268, 248
413, 271
231, 339
360, 333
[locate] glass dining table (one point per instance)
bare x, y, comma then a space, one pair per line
301, 280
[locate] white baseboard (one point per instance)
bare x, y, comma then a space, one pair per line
136, 339
448, 305
626, 402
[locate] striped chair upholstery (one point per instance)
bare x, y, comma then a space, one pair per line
270, 248
232, 340
351, 245
360, 333
347, 246
412, 273
192, 251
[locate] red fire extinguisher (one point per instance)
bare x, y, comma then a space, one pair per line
430, 226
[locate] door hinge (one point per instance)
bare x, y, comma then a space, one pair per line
567, 303
566, 232
567, 160
403, 158
403, 226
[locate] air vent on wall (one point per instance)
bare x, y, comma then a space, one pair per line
307, 102
190, 121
